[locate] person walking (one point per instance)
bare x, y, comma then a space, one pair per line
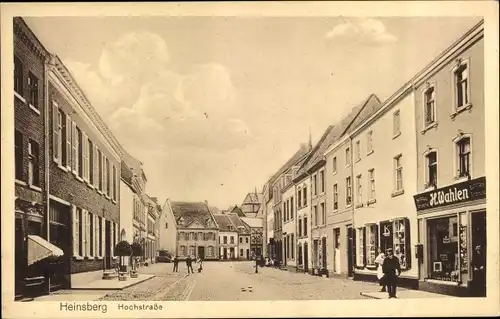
392, 269
479, 272
380, 273
200, 264
189, 264
176, 264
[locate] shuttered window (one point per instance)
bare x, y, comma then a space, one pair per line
76, 233
67, 129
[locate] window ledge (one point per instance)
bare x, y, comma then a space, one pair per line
100, 258
90, 185
428, 127
34, 109
62, 167
371, 267
370, 152
397, 193
460, 110
348, 165
19, 182
78, 257
371, 201
357, 160
19, 97
348, 205
335, 211
359, 205
114, 257
459, 179
334, 173
35, 187
442, 282
396, 135
429, 188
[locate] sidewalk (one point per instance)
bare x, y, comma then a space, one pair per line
404, 294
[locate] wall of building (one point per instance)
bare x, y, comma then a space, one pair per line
126, 212
289, 210
244, 246
191, 242
167, 231
228, 245
304, 212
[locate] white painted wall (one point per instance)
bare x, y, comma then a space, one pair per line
167, 230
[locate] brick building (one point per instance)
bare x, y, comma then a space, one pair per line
30, 165
84, 185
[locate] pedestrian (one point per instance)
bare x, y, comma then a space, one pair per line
189, 264
380, 273
176, 264
200, 264
392, 270
479, 272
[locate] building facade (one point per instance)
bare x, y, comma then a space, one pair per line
127, 193
30, 115
303, 225
228, 237
451, 188
84, 184
256, 236
167, 231
384, 178
197, 230
243, 237
288, 222
153, 212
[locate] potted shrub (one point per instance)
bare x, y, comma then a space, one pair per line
122, 249
136, 252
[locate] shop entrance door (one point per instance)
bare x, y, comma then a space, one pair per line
336, 254
386, 240
323, 255
350, 251
306, 258
478, 231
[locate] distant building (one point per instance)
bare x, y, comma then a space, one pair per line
251, 204
167, 230
256, 236
228, 237
197, 229
243, 236
236, 210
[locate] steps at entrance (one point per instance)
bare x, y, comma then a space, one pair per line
109, 274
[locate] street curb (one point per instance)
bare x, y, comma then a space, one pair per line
116, 289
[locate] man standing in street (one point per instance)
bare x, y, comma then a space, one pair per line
189, 264
392, 269
176, 264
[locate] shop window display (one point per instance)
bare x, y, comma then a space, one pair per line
372, 244
400, 242
443, 244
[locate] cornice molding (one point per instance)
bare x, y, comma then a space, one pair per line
24, 33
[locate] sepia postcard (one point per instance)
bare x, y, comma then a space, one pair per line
250, 159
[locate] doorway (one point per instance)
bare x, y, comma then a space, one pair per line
306, 258
224, 253
201, 252
478, 231
350, 251
108, 244
336, 253
323, 255
248, 253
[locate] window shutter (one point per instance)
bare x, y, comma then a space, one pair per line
407, 243
68, 141
103, 237
354, 250
96, 167
84, 156
376, 239
364, 246
96, 235
75, 230
55, 132
74, 157
87, 232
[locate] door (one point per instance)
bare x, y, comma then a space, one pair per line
248, 253
224, 253
108, 241
350, 251
323, 253
306, 257
336, 257
478, 231
231, 253
201, 252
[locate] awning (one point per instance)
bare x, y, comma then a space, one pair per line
39, 248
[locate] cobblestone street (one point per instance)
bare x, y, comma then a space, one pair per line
233, 281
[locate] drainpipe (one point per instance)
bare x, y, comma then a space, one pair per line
46, 114
352, 203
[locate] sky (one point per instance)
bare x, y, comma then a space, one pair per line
213, 106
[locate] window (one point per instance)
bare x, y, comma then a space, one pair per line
246, 240
361, 247
396, 124
241, 240
335, 197
371, 174
369, 142
315, 185
191, 250
182, 250
75, 147
291, 208
431, 176
429, 106
400, 245
66, 149
305, 226
322, 181
19, 155
18, 76
91, 233
461, 75
304, 192
315, 215
359, 186
371, 244
300, 227
225, 239
80, 231
91, 162
347, 157
292, 246
114, 182
99, 165
358, 150
398, 166
210, 251
334, 165
33, 86
186, 236
323, 214
56, 132
348, 188
108, 178
232, 240
80, 151
299, 198
34, 165
194, 235
464, 154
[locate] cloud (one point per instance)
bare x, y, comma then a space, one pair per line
362, 30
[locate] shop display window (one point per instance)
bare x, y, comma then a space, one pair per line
443, 237
400, 242
371, 244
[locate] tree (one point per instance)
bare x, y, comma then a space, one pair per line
123, 249
136, 251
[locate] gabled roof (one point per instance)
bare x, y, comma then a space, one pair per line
313, 155
191, 212
214, 210
252, 198
224, 222
302, 152
236, 210
252, 222
241, 227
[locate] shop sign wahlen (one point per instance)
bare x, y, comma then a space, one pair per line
458, 193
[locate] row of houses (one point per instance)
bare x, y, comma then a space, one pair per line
407, 173
198, 230
77, 191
